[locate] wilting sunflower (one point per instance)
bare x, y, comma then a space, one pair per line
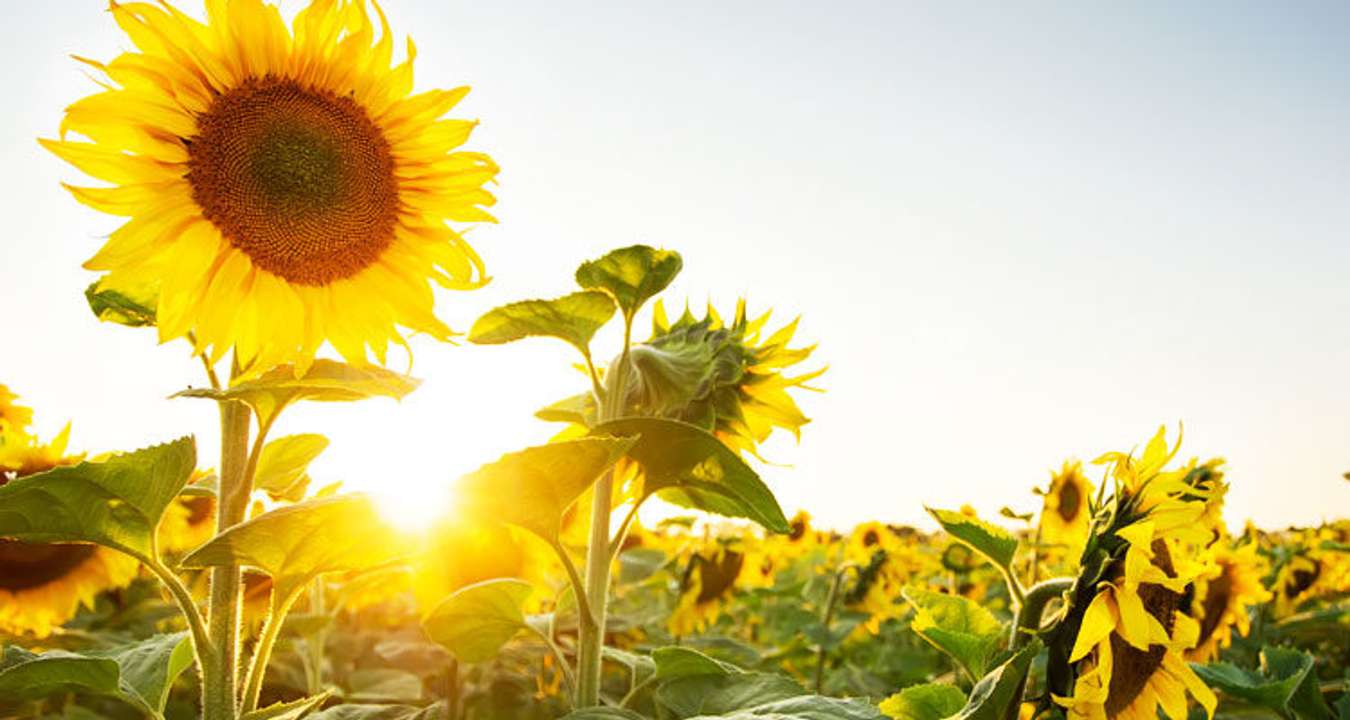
1066, 512
723, 377
282, 187
1224, 595
42, 585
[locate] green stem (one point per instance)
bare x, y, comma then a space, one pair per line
219, 686
1028, 623
315, 643
585, 616
826, 617
622, 534
201, 639
257, 670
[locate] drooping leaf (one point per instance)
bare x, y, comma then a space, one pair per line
632, 275
117, 306
293, 710
325, 381
995, 693
676, 662
572, 318
532, 488
149, 668
116, 503
476, 621
993, 542
957, 626
689, 466
929, 701
297, 543
283, 465
1279, 686
715, 695
383, 685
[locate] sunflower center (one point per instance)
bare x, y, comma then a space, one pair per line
1070, 500
1134, 667
28, 565
717, 576
300, 180
1216, 601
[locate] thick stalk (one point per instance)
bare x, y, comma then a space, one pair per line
219, 694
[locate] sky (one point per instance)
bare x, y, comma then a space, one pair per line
1019, 233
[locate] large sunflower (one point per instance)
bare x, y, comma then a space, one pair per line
1067, 510
283, 188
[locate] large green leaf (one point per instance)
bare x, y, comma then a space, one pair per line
116, 306
140, 674
957, 626
283, 465
929, 701
1285, 684
293, 710
632, 275
573, 318
689, 466
532, 488
603, 713
297, 543
324, 381
676, 662
381, 712
116, 503
712, 694
805, 707
996, 692
992, 541
476, 621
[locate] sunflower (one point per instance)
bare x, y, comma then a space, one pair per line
282, 187
42, 585
14, 418
1224, 595
1319, 567
708, 582
1067, 509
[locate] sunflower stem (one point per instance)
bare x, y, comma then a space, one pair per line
257, 670
1028, 623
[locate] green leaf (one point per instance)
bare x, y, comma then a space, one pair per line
957, 626
297, 543
572, 318
115, 306
325, 381
578, 409
991, 541
632, 275
532, 488
293, 710
476, 621
995, 693
380, 712
283, 465
383, 685
116, 503
929, 701
149, 668
603, 713
689, 466
1285, 684
676, 662
806, 707
711, 694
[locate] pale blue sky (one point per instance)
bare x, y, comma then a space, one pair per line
1019, 234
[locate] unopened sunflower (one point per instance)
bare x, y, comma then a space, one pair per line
1067, 509
282, 188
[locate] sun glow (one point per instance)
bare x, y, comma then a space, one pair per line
414, 507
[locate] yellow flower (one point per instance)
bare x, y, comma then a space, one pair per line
14, 418
189, 521
1313, 571
282, 187
1224, 594
1066, 514
723, 377
709, 581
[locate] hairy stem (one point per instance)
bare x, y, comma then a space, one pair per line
263, 652
219, 687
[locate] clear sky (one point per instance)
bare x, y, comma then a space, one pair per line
1019, 234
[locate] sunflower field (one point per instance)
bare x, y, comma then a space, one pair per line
287, 206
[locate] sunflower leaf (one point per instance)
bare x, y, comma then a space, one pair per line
712, 694
929, 701
150, 667
603, 713
476, 621
297, 543
572, 318
1285, 684
631, 275
382, 712
1001, 688
532, 488
957, 626
293, 710
116, 503
324, 381
284, 463
993, 542
140, 673
114, 306
689, 466
674, 662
